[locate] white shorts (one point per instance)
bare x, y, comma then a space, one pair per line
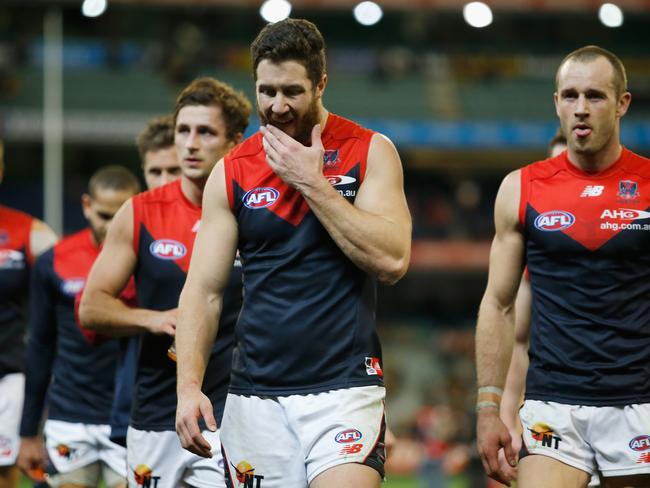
12, 391
157, 460
287, 441
612, 440
71, 446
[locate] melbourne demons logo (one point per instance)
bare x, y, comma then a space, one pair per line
554, 220
260, 197
167, 249
628, 189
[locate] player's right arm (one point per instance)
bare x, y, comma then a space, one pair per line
495, 329
100, 308
200, 308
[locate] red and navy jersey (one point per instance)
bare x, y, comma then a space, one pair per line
15, 262
77, 377
308, 319
587, 242
165, 226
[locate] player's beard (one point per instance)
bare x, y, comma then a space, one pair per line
302, 125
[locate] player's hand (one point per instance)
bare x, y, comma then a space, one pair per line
492, 437
299, 166
390, 440
163, 322
193, 405
31, 458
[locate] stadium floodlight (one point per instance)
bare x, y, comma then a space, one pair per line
610, 15
477, 14
93, 8
368, 13
275, 10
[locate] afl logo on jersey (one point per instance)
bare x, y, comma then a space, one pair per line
260, 197
554, 220
167, 249
336, 180
348, 435
640, 443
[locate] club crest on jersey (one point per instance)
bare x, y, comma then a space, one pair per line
348, 435
330, 157
554, 220
640, 443
336, 180
628, 189
167, 249
260, 197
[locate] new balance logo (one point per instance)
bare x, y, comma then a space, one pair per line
592, 191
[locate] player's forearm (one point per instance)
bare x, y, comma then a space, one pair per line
197, 329
374, 243
108, 315
40, 357
494, 341
514, 389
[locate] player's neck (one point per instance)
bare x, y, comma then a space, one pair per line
193, 189
599, 161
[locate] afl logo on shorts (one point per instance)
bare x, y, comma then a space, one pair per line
260, 197
554, 220
167, 249
348, 435
336, 180
640, 443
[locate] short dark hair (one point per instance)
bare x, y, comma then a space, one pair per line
113, 177
590, 53
558, 138
235, 107
291, 40
158, 134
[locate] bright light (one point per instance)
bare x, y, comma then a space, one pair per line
368, 13
610, 15
275, 10
477, 14
93, 8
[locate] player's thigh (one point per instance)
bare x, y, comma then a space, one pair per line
111, 454
87, 476
112, 478
540, 471
9, 476
350, 475
11, 405
260, 448
340, 427
70, 445
633, 481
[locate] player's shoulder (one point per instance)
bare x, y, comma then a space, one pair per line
636, 163
546, 168
73, 242
340, 128
248, 148
14, 217
161, 194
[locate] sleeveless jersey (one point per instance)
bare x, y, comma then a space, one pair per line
77, 376
308, 320
165, 226
15, 261
587, 242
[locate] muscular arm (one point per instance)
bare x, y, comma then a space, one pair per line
494, 330
200, 308
100, 308
41, 238
516, 378
375, 232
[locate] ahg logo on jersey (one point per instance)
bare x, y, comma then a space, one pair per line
10, 259
554, 220
167, 249
246, 476
260, 197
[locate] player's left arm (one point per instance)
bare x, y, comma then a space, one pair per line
41, 238
375, 232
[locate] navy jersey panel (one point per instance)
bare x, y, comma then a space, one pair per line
166, 228
15, 258
77, 376
587, 242
308, 319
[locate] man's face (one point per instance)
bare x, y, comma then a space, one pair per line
201, 140
588, 106
161, 167
287, 99
100, 209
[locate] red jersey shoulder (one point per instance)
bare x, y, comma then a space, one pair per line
634, 163
340, 128
15, 227
546, 168
251, 147
162, 194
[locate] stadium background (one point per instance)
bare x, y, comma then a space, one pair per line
464, 106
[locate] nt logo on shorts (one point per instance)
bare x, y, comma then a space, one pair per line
144, 476
245, 474
544, 433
